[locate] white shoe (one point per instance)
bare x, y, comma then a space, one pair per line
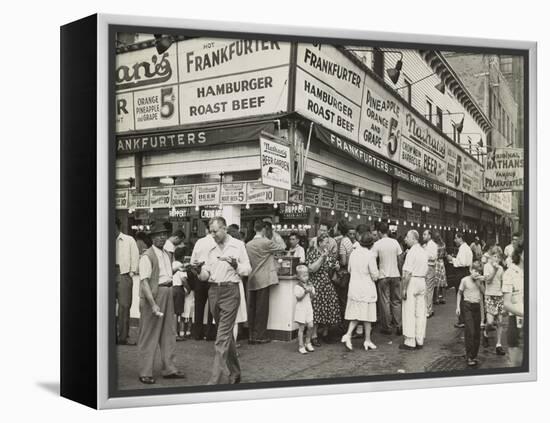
369, 345
309, 347
347, 341
302, 350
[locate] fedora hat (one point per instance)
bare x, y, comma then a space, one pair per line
158, 227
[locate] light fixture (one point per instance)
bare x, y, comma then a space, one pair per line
440, 87
346, 214
405, 223
356, 191
388, 220
397, 223
319, 182
130, 211
275, 205
167, 180
394, 73
386, 199
370, 218
407, 204
317, 210
247, 206
358, 216
163, 43
151, 210
426, 209
380, 219
332, 212
460, 126
197, 208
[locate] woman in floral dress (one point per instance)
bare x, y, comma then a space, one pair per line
440, 275
326, 308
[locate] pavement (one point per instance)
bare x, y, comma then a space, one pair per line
280, 361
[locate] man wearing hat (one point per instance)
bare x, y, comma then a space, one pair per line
157, 319
476, 248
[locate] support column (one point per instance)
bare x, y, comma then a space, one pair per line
394, 210
232, 214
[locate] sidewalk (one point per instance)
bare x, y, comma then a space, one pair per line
280, 361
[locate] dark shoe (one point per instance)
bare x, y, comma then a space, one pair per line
472, 362
131, 343
459, 325
419, 346
386, 332
485, 341
178, 375
406, 347
500, 350
147, 380
237, 380
263, 341
180, 338
429, 316
315, 342
398, 331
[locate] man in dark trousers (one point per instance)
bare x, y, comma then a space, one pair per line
157, 325
127, 257
263, 275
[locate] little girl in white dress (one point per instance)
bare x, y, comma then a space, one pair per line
303, 312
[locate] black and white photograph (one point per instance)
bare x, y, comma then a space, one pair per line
306, 211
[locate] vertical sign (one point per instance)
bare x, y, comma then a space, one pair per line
208, 194
275, 163
503, 170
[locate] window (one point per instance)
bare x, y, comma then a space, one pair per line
429, 109
439, 118
378, 62
408, 90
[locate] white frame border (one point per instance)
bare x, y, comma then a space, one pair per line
103, 401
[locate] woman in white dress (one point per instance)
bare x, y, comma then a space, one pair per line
361, 304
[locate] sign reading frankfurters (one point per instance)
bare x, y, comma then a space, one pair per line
225, 79
329, 87
503, 170
275, 163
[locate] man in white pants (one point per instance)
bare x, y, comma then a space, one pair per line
413, 294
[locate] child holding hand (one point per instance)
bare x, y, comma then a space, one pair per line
303, 313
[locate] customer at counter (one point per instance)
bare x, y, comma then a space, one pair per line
261, 252
332, 244
296, 250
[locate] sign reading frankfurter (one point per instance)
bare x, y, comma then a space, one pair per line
329, 88
225, 79
275, 162
503, 170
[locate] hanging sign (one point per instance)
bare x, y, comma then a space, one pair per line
372, 208
342, 201
296, 196
233, 193
139, 200
160, 197
504, 170
275, 163
121, 199
354, 204
208, 194
327, 200
312, 196
183, 196
256, 192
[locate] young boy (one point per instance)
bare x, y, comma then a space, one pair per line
303, 313
471, 289
180, 290
494, 305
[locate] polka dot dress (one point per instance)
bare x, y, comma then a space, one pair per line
326, 308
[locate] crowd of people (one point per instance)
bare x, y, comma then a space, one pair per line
349, 280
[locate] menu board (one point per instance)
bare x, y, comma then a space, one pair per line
256, 192
354, 204
312, 196
342, 201
372, 208
121, 199
327, 199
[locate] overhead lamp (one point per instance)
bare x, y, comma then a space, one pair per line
407, 204
317, 210
397, 223
332, 212
319, 182
196, 208
151, 210
167, 180
346, 214
370, 218
275, 205
440, 87
358, 216
386, 199
394, 73
163, 43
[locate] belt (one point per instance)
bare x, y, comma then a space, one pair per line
420, 277
165, 285
222, 283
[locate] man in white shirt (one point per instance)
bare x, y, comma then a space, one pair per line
296, 250
413, 293
157, 323
509, 250
175, 240
389, 284
461, 266
226, 263
431, 250
127, 257
199, 255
